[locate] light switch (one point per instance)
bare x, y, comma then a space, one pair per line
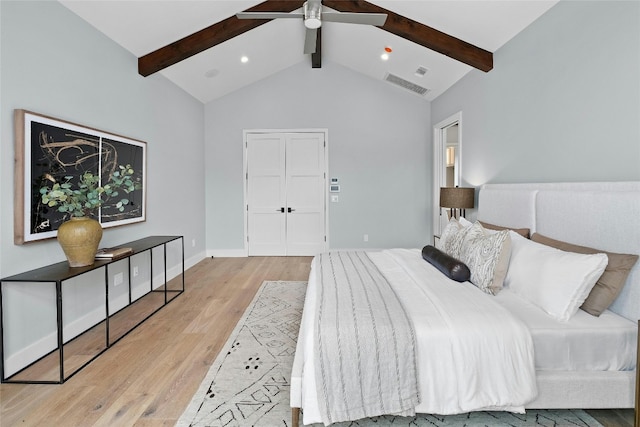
334, 198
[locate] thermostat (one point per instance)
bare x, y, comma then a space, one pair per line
334, 188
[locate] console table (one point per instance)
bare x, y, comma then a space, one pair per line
67, 358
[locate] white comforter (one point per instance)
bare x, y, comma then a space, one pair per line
472, 353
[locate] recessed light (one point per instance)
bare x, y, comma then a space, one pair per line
212, 73
244, 59
385, 53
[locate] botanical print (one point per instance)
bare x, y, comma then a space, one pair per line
62, 152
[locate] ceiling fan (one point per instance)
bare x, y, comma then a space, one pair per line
232, 27
313, 15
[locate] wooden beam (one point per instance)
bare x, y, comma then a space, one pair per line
421, 34
210, 36
316, 58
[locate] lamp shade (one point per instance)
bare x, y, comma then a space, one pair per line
456, 197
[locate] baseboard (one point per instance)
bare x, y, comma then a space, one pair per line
227, 253
190, 262
241, 253
48, 343
40, 347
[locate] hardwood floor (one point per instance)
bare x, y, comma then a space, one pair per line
149, 377
613, 417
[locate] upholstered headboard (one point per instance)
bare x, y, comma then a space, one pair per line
603, 215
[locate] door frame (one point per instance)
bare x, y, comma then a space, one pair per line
439, 160
245, 176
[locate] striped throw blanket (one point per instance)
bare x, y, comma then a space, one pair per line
366, 349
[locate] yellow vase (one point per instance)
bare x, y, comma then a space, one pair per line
79, 238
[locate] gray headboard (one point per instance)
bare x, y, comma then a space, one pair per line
602, 215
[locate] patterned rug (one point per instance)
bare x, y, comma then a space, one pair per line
248, 384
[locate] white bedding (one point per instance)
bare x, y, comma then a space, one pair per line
584, 343
453, 318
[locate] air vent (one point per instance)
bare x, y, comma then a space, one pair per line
406, 84
421, 71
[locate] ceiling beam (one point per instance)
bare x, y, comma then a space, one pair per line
316, 57
421, 34
211, 36
395, 24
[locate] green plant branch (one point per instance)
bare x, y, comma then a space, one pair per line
89, 194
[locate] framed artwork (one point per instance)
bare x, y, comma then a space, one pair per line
51, 150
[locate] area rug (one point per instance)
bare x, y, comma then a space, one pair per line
248, 383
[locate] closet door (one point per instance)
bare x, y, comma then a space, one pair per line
305, 193
285, 193
266, 194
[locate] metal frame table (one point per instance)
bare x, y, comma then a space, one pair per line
61, 272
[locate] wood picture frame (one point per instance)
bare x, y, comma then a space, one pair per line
46, 148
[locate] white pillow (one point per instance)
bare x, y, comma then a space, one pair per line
556, 281
487, 256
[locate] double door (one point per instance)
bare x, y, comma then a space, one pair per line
286, 193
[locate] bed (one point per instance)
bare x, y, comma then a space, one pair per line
581, 361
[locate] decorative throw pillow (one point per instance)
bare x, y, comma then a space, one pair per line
456, 243
524, 232
609, 285
449, 266
452, 228
465, 222
556, 281
487, 256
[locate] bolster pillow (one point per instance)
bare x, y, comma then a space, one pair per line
449, 266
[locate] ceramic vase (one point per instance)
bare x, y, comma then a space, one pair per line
79, 238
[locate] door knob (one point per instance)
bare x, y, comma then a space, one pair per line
290, 210
280, 210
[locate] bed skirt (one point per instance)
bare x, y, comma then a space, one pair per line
584, 390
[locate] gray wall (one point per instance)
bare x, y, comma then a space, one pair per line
561, 104
56, 64
379, 147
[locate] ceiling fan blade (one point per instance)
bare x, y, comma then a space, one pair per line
310, 40
208, 37
377, 19
268, 15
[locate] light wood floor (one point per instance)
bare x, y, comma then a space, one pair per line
149, 377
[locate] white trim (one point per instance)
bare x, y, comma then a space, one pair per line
245, 133
326, 186
191, 261
35, 350
48, 343
228, 253
245, 213
439, 172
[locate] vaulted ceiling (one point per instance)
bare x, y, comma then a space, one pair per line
199, 44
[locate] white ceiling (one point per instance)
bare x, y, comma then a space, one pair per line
142, 26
